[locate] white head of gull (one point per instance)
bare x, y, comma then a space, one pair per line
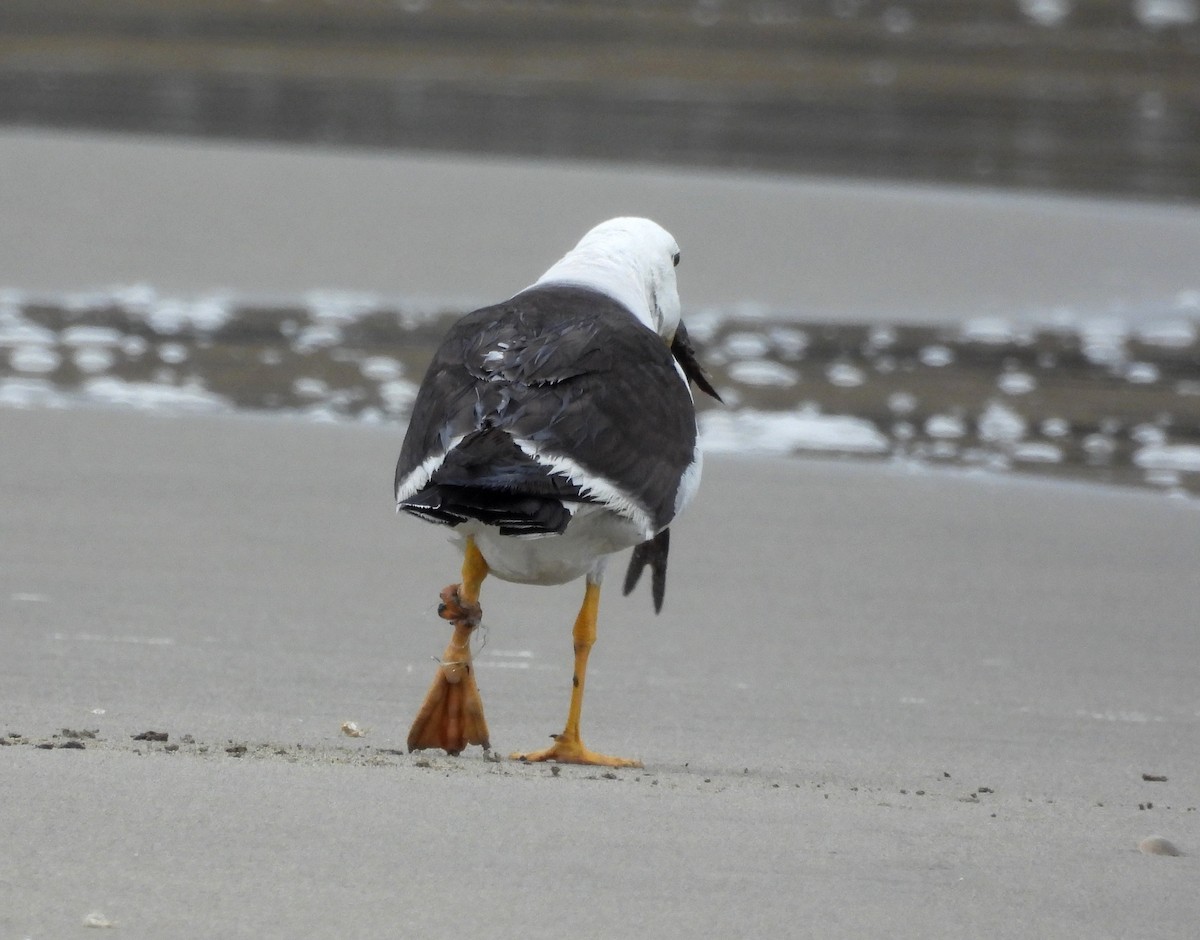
630, 260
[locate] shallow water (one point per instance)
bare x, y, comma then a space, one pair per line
1046, 94
1095, 400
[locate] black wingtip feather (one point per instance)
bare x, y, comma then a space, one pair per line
685, 355
654, 554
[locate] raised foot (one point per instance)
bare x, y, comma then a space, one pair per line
451, 717
563, 751
457, 610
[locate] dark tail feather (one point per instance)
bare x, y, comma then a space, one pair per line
513, 514
654, 554
488, 478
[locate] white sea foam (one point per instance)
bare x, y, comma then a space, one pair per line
992, 331
204, 314
1179, 457
882, 336
746, 345
789, 341
341, 306
1142, 373
92, 359
310, 387
151, 396
757, 432
317, 336
173, 353
845, 375
15, 330
1016, 383
1168, 334
1102, 340
1099, 446
30, 393
945, 426
381, 368
1159, 14
84, 335
1056, 427
763, 372
1147, 434
1000, 423
1046, 12
398, 395
134, 346
34, 359
1037, 452
936, 355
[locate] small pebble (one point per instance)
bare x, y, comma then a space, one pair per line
351, 729
1157, 845
96, 919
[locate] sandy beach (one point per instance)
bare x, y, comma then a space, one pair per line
880, 700
877, 702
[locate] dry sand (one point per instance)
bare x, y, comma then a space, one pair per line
86, 212
878, 703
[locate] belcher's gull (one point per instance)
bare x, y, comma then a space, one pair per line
550, 431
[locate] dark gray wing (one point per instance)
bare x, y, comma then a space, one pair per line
572, 371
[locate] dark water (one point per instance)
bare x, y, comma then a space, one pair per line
1101, 97
1098, 402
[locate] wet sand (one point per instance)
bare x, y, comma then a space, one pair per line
90, 212
877, 702
1102, 401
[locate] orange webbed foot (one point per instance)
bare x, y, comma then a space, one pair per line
451, 717
567, 750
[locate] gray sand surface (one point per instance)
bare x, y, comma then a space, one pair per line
90, 212
877, 703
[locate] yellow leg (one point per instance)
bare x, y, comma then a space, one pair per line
568, 747
451, 717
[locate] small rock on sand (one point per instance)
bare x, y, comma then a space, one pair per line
1157, 845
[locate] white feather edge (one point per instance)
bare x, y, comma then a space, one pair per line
610, 496
417, 478
607, 494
